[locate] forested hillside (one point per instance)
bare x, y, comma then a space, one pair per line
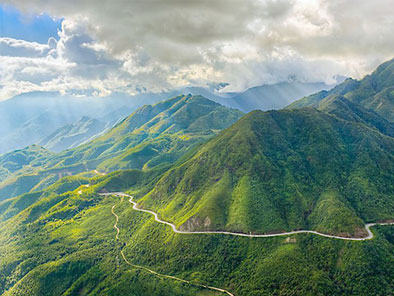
328, 169
154, 135
61, 241
374, 92
283, 170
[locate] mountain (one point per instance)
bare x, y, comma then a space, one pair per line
84, 130
154, 135
279, 171
330, 170
198, 165
272, 97
72, 135
37, 117
14, 161
28, 118
374, 92
61, 240
344, 109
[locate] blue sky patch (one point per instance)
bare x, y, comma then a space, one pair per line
36, 28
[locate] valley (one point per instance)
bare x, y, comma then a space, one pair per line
196, 148
297, 201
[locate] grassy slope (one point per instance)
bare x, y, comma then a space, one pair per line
152, 136
64, 245
166, 128
270, 172
16, 160
344, 109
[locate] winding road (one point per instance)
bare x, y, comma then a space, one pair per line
157, 219
116, 222
160, 274
135, 207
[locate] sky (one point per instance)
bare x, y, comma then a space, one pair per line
97, 47
28, 27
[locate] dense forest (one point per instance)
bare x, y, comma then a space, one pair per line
325, 163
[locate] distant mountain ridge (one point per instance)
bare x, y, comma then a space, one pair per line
154, 135
37, 117
74, 134
29, 118
272, 97
374, 92
84, 130
166, 127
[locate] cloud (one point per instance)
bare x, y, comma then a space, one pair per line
157, 45
20, 48
73, 64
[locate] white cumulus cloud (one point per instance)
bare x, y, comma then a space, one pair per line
155, 45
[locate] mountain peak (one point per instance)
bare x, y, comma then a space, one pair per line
85, 119
374, 92
153, 134
174, 114
273, 171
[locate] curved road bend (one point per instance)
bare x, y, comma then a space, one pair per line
156, 273
135, 207
116, 222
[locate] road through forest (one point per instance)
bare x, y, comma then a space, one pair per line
157, 219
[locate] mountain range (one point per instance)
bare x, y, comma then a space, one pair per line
272, 96
324, 163
74, 134
29, 118
154, 135
282, 170
58, 122
374, 92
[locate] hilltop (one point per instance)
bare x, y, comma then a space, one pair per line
153, 135
329, 169
374, 92
282, 170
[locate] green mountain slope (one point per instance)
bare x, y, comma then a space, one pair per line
154, 135
16, 160
164, 130
347, 110
282, 170
64, 244
374, 92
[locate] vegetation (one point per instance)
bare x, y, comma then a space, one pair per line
14, 161
165, 130
64, 244
152, 136
374, 92
282, 170
329, 168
